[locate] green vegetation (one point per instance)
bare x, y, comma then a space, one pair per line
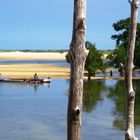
118, 57
94, 60
28, 50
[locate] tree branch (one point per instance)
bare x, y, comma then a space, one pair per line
137, 4
130, 1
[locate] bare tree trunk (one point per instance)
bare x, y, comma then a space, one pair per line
78, 54
130, 132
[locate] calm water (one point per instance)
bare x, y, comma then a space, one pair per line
29, 112
53, 62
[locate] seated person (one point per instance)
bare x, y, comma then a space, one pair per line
35, 76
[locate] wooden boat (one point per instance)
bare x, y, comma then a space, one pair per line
38, 80
31, 80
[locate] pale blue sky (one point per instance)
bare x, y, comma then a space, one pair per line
47, 24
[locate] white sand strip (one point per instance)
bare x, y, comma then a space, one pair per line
32, 55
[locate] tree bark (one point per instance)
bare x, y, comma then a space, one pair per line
130, 132
78, 54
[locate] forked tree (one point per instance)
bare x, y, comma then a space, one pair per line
78, 54
130, 133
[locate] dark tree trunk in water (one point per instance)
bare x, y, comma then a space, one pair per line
130, 133
78, 54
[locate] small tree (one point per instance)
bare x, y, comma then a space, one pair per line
117, 58
94, 60
119, 55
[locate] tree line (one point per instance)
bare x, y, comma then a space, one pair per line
116, 58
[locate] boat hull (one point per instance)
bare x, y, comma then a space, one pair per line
33, 81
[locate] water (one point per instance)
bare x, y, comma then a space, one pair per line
53, 62
31, 112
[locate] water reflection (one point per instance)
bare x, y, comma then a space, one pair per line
39, 112
52, 62
37, 85
118, 95
21, 85
115, 91
92, 94
33, 115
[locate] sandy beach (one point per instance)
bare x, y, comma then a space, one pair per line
17, 55
28, 70
43, 70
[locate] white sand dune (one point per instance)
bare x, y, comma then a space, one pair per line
32, 55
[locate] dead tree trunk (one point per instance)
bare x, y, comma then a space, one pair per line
78, 54
130, 132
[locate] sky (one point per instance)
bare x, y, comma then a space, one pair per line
47, 24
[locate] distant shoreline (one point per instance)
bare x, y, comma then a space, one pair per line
43, 70
28, 70
17, 55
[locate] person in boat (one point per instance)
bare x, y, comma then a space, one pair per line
35, 76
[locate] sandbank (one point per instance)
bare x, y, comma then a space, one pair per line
28, 71
43, 70
17, 55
